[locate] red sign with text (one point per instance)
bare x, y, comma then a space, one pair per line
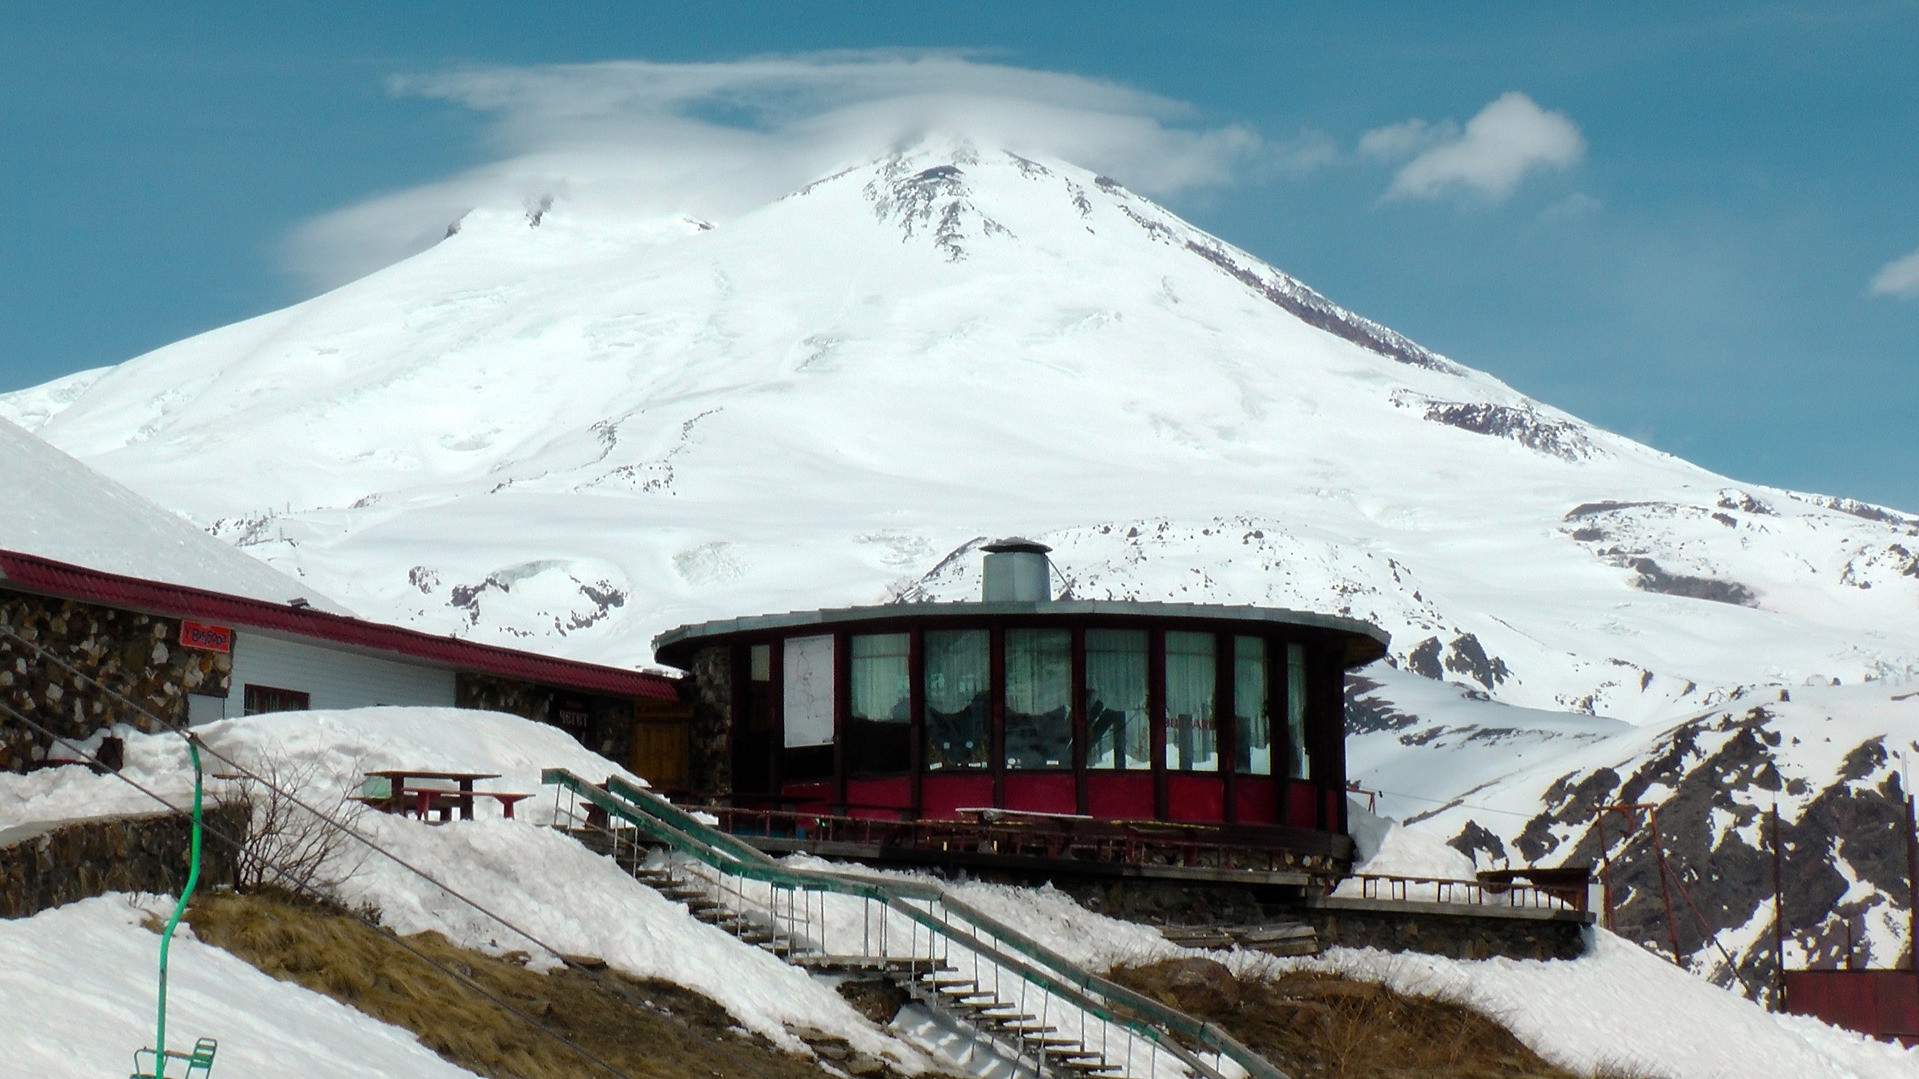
205, 637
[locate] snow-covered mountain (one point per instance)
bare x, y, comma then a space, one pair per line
570, 432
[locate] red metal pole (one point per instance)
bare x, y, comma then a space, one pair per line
1778, 916
1665, 891
1912, 885
1605, 864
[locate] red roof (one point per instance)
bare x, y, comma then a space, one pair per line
76, 582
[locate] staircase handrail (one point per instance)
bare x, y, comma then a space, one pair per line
683, 831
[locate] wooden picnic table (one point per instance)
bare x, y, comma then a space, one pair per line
407, 793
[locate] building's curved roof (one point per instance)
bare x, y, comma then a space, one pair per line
1068, 608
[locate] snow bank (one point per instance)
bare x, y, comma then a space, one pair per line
77, 987
1623, 1006
340, 746
572, 900
1389, 849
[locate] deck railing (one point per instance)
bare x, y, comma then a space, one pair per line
1401, 889
1151, 843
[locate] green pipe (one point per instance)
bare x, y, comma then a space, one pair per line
166, 937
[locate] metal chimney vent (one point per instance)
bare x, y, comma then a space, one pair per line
1016, 571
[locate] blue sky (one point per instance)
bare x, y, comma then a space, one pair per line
1686, 227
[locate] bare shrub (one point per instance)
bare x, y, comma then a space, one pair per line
289, 845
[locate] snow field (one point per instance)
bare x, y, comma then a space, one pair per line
77, 988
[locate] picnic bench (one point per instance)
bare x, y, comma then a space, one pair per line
406, 792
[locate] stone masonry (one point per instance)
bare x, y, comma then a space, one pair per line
115, 854
134, 656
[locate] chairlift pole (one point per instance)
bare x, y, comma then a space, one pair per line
1912, 882
166, 937
1778, 914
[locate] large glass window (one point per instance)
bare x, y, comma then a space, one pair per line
1300, 762
1039, 698
807, 693
957, 686
1116, 723
878, 737
753, 739
1192, 671
1252, 724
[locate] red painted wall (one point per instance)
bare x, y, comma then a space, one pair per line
1120, 795
882, 797
806, 794
1195, 797
1041, 792
1257, 799
1302, 805
942, 795
1881, 1003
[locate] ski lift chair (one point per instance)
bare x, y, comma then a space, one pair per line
199, 1062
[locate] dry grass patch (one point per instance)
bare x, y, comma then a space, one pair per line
1323, 1026
643, 1027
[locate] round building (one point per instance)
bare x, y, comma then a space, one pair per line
1020, 704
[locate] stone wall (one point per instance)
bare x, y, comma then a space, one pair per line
608, 729
114, 854
131, 655
491, 694
1460, 932
711, 733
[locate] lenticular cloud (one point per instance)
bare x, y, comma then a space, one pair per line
712, 140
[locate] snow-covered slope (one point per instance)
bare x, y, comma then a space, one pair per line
569, 432
55, 507
77, 987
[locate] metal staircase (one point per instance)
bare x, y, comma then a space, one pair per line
1038, 1007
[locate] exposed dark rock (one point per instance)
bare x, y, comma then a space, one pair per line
1739, 500
1423, 660
1315, 310
1588, 509
934, 199
1468, 657
1474, 840
1654, 579
1366, 714
1863, 510
1712, 831
1564, 439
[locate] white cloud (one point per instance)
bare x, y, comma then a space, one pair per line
1900, 277
713, 140
1509, 138
1406, 138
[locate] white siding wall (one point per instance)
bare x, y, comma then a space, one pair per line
332, 677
